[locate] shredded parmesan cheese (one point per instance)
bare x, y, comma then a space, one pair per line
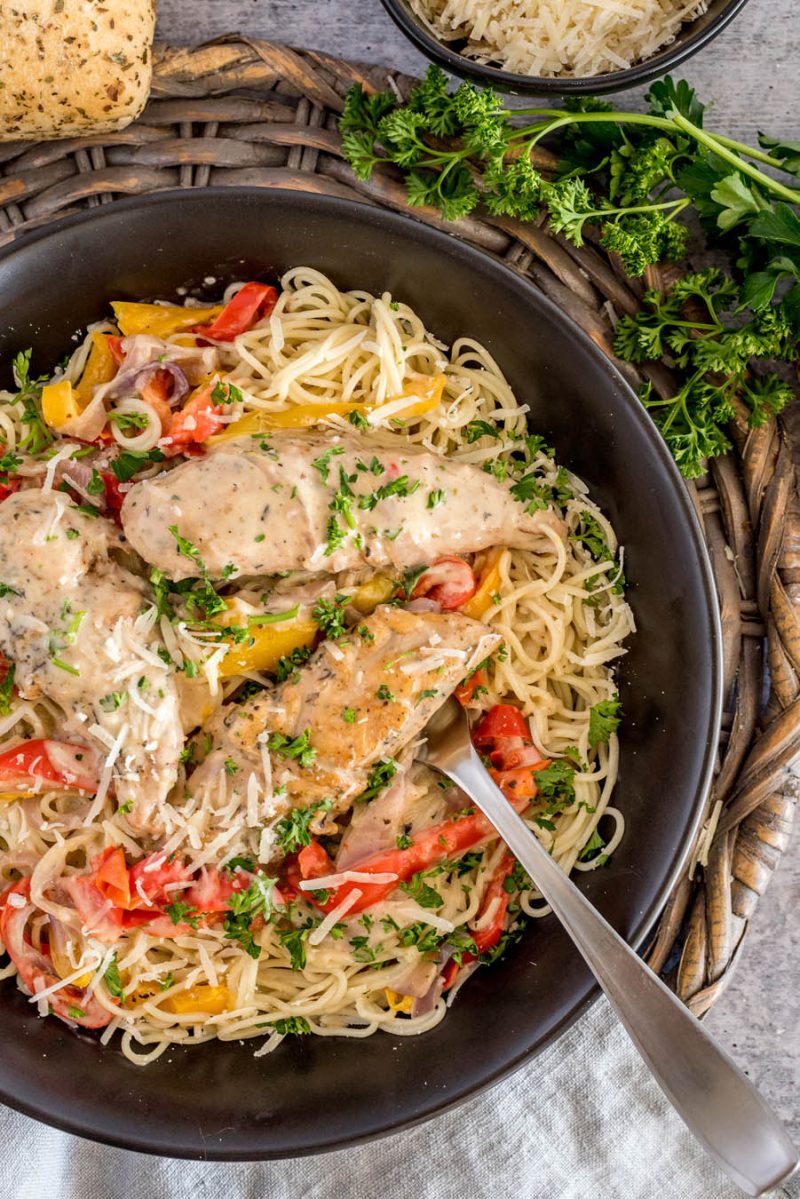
322, 930
347, 876
558, 37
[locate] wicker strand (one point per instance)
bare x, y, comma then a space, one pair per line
239, 111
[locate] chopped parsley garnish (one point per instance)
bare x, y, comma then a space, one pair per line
182, 913
6, 589
299, 747
379, 777
198, 592
126, 808
403, 841
349, 715
230, 766
130, 461
322, 464
604, 719
289, 1025
112, 979
129, 422
409, 581
96, 486
358, 420
423, 936
226, 393
62, 665
75, 1013
362, 951
481, 428
335, 536
556, 786
385, 694
428, 693
435, 498
290, 663
112, 701
243, 907
591, 850
329, 615
592, 537
425, 895
294, 940
7, 689
240, 863
166, 982
292, 830
398, 487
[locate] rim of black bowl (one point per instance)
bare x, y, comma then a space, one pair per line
686, 45
159, 1141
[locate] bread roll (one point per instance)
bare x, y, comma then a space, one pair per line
72, 67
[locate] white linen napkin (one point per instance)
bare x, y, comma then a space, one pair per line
582, 1121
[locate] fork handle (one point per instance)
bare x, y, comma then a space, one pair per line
719, 1105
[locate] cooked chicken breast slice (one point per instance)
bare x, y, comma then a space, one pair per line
308, 500
360, 700
72, 622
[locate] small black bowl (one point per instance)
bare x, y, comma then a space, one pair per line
217, 1100
693, 37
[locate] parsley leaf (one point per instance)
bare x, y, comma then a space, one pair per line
299, 748
604, 719
292, 830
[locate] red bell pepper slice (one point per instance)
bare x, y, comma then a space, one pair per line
194, 424
485, 938
115, 346
503, 720
465, 691
252, 303
8, 487
69, 765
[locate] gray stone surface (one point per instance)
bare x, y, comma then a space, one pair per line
752, 72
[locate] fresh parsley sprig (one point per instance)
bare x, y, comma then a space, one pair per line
629, 176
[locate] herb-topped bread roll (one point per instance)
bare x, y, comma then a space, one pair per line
72, 67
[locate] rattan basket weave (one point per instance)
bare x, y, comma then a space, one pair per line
242, 112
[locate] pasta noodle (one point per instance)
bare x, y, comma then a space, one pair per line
562, 618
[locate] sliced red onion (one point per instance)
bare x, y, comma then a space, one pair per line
196, 361
418, 980
373, 826
130, 381
428, 1001
423, 605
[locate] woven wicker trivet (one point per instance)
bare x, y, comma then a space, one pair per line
241, 112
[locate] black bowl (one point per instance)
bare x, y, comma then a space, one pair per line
693, 37
217, 1100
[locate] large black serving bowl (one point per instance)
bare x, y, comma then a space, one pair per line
217, 1100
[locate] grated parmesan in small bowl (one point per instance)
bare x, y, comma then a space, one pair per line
563, 46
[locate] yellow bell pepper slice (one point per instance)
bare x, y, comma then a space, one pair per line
489, 583
265, 645
100, 368
10, 796
59, 404
423, 396
201, 998
64, 967
376, 590
398, 1002
159, 320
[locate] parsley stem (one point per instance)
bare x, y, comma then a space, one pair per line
792, 194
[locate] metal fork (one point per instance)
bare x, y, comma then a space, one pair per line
709, 1092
